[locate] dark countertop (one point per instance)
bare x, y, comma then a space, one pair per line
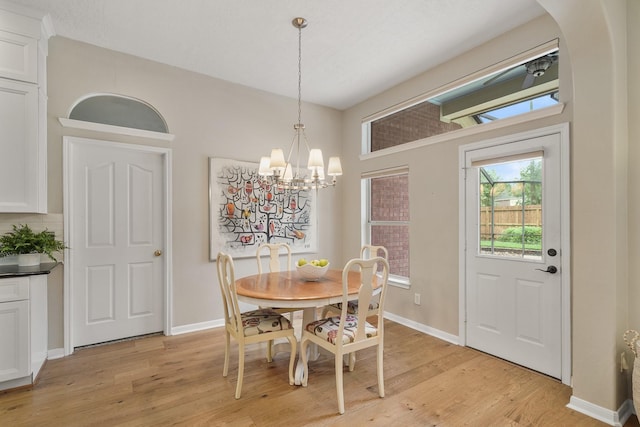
13, 270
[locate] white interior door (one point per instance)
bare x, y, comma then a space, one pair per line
513, 258
116, 214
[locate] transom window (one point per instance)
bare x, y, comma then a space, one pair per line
527, 83
119, 110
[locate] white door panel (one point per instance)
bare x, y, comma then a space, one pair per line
514, 307
99, 292
141, 289
117, 225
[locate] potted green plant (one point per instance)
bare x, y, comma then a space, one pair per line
28, 245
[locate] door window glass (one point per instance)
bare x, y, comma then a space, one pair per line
510, 211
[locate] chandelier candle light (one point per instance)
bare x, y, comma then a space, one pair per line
280, 171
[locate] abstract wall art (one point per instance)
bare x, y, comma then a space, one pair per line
245, 211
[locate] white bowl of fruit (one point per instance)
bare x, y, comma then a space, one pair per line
312, 270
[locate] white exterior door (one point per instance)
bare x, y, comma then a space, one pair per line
513, 257
116, 214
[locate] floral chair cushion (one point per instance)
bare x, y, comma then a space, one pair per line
352, 306
328, 329
263, 321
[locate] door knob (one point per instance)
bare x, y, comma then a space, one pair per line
158, 252
551, 269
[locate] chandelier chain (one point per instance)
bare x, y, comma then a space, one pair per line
299, 75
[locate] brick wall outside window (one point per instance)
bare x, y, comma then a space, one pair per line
414, 123
390, 203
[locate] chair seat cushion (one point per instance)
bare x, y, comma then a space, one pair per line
263, 321
352, 306
328, 329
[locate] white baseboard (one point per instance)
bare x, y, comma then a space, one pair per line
453, 339
625, 410
55, 353
612, 418
194, 327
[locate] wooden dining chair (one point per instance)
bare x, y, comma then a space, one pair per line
345, 334
275, 250
274, 256
366, 252
249, 327
274, 265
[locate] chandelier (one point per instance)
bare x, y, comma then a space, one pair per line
280, 172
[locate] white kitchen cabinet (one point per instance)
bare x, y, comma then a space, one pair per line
23, 329
18, 157
23, 111
14, 328
19, 52
14, 335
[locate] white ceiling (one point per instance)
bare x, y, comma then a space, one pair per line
351, 49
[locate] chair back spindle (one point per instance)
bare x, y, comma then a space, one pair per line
274, 256
372, 251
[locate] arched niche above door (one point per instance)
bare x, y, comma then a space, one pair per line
117, 114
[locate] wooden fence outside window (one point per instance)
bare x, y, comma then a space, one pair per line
507, 217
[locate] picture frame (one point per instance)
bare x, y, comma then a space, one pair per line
246, 210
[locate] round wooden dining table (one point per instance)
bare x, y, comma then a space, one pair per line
287, 289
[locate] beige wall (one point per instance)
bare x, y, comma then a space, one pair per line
597, 30
633, 47
213, 118
633, 91
593, 46
433, 179
208, 117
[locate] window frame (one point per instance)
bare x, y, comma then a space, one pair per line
367, 222
366, 153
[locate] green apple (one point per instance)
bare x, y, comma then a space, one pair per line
301, 262
323, 262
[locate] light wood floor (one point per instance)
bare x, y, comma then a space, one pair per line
178, 380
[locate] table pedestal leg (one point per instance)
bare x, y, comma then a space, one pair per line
308, 316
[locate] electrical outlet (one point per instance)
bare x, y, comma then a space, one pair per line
416, 299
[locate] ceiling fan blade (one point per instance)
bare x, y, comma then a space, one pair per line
497, 76
528, 81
